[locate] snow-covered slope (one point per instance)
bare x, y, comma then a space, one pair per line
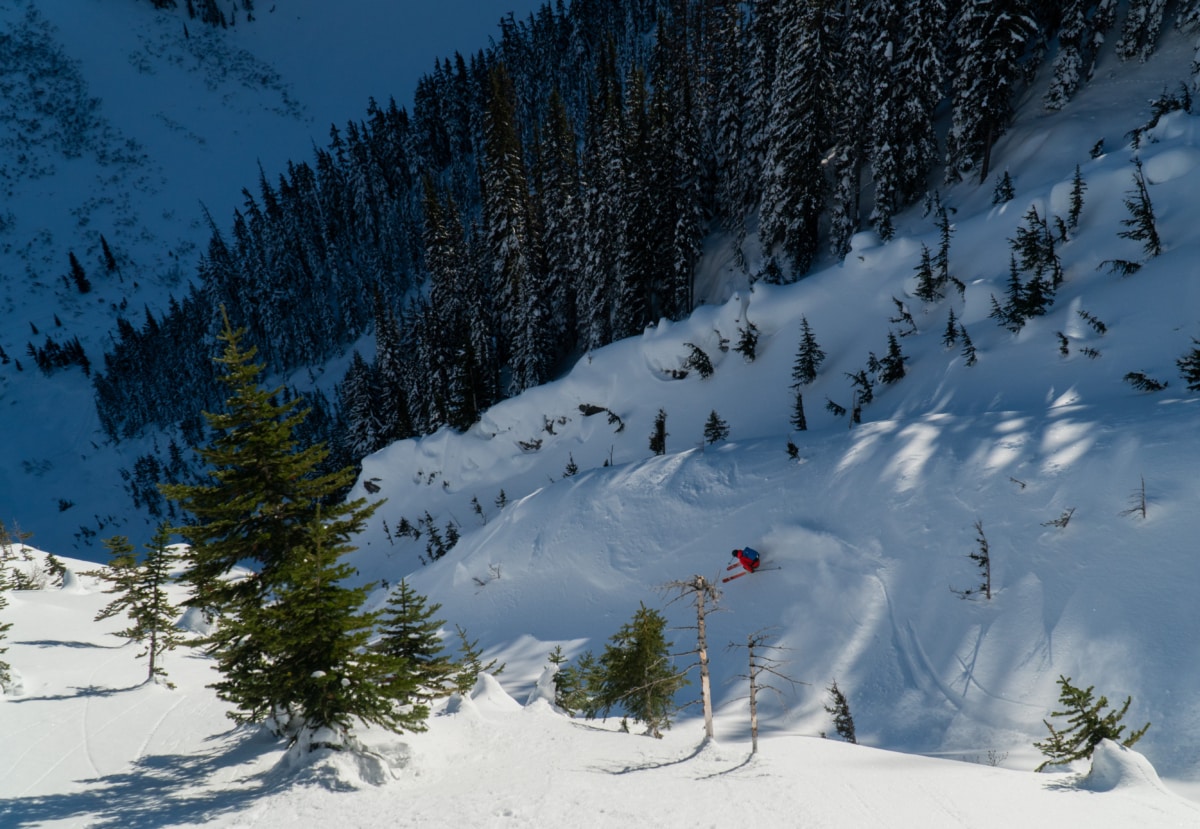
87, 745
870, 526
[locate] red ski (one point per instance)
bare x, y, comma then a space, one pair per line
746, 572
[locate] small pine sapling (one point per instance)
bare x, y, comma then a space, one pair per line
1143, 382
927, 287
78, 275
950, 335
1010, 315
864, 389
141, 596
1078, 187
983, 560
699, 361
715, 429
1064, 345
809, 357
839, 707
658, 437
1086, 726
798, 421
1093, 322
410, 634
1189, 366
1120, 267
747, 344
1141, 221
572, 468
1137, 500
1062, 520
941, 262
1004, 191
891, 366
576, 686
903, 316
470, 664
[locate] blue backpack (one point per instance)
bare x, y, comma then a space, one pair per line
750, 554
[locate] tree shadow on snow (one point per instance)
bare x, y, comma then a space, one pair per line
80, 691
60, 643
660, 765
160, 789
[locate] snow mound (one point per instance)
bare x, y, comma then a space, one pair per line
193, 621
1116, 767
330, 759
71, 583
544, 689
489, 695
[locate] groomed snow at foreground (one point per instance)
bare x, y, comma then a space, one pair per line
87, 744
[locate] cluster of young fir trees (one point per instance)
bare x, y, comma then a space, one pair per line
550, 194
290, 639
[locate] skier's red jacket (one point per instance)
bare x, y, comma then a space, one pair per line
748, 558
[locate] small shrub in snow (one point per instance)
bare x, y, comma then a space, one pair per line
699, 361
1143, 382
1189, 366
983, 559
1086, 725
839, 707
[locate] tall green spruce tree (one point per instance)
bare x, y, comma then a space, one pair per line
142, 597
291, 639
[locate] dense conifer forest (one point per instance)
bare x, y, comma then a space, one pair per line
553, 192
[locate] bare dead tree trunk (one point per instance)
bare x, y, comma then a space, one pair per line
761, 662
702, 646
703, 592
750, 641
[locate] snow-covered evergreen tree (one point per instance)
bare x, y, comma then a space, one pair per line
1139, 34
809, 357
799, 131
990, 40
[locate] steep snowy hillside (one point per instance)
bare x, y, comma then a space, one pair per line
122, 125
872, 525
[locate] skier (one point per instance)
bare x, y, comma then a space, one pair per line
748, 558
